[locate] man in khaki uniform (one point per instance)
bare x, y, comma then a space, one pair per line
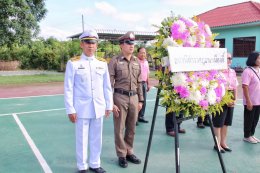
125, 77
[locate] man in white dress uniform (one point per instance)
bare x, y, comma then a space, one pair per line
88, 97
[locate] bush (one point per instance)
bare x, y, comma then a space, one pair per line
49, 54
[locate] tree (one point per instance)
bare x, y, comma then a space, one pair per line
19, 20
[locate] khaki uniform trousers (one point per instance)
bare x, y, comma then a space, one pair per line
125, 124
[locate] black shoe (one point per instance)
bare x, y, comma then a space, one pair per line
182, 131
97, 170
171, 133
137, 123
221, 150
122, 162
142, 120
200, 125
227, 149
82, 171
132, 158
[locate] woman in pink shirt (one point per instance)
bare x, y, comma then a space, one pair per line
251, 96
222, 121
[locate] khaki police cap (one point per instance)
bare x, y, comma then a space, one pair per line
129, 36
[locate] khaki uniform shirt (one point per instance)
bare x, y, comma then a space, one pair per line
126, 74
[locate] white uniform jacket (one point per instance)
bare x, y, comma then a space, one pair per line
87, 87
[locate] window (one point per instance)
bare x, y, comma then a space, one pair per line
221, 43
243, 46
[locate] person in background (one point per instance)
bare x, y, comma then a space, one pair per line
88, 97
251, 96
169, 124
126, 79
169, 121
201, 124
145, 81
222, 121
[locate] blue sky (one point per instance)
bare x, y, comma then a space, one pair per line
64, 17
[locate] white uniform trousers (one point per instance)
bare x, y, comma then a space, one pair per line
88, 131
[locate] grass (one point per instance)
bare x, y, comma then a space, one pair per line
30, 79
39, 78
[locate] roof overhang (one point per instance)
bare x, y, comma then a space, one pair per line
237, 25
113, 35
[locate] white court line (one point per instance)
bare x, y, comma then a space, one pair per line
48, 110
31, 96
153, 100
34, 148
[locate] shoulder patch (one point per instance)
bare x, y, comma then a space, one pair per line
101, 59
75, 58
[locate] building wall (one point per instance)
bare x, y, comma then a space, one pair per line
229, 33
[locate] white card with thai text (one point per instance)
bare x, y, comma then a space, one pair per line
183, 59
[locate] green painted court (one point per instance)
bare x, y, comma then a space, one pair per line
36, 136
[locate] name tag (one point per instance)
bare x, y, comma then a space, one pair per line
99, 68
81, 67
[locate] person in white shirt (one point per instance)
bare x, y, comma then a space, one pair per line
88, 97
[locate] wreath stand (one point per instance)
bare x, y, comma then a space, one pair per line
177, 147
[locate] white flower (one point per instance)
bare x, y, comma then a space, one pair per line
213, 85
205, 83
202, 41
192, 40
216, 44
182, 26
194, 26
207, 29
169, 42
179, 79
165, 61
211, 96
223, 90
195, 96
195, 85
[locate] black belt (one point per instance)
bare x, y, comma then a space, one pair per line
124, 92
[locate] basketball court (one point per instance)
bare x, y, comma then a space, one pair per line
36, 136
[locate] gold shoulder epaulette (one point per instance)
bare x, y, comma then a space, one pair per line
101, 59
75, 58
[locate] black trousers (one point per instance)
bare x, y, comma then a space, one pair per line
206, 119
169, 123
142, 111
251, 119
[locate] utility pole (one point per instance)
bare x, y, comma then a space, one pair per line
83, 23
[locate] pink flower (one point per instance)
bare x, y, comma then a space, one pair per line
203, 90
213, 72
179, 30
218, 91
218, 99
183, 91
178, 89
186, 21
204, 104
